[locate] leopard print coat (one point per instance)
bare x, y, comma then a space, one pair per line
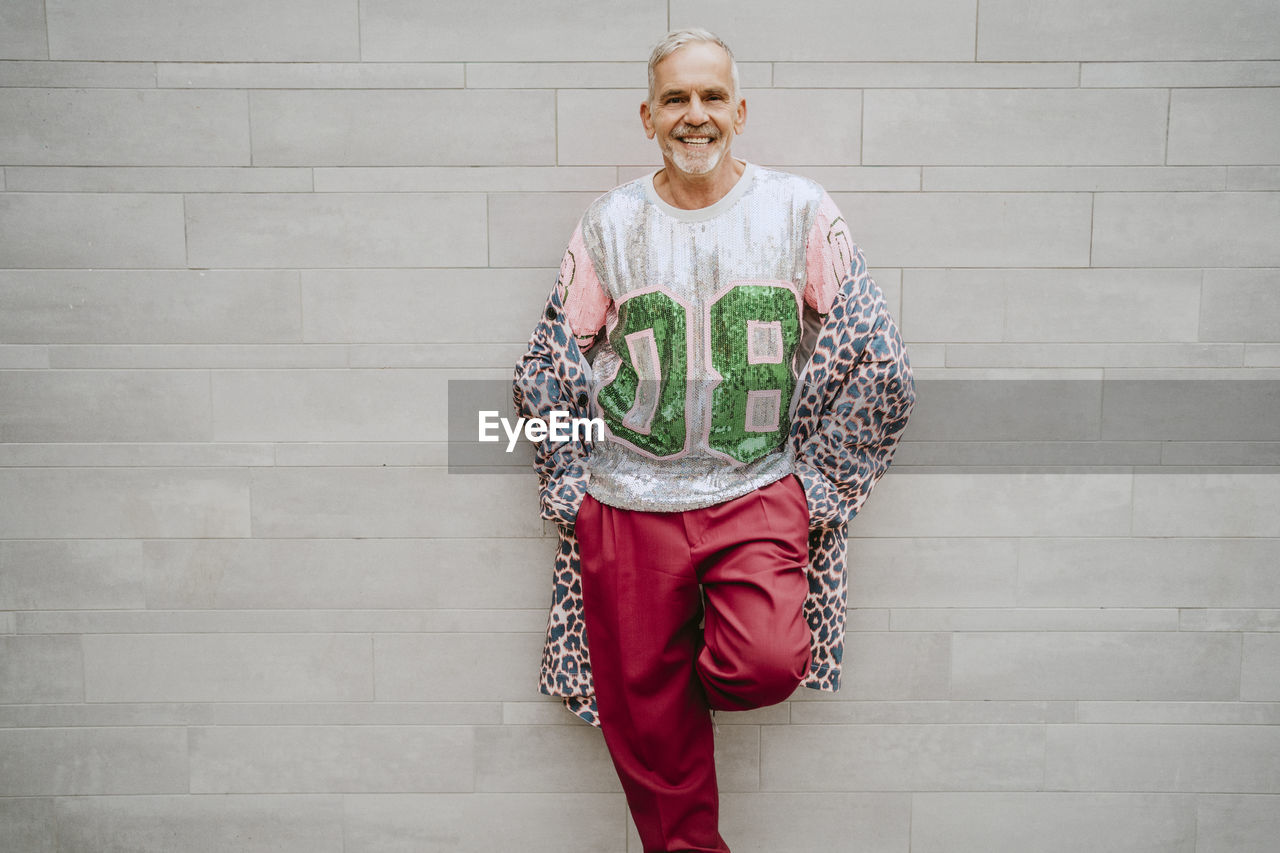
856, 397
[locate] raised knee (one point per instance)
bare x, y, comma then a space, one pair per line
765, 677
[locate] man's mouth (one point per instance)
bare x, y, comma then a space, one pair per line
695, 140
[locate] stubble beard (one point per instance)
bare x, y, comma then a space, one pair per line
697, 162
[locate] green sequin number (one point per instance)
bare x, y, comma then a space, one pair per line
754, 330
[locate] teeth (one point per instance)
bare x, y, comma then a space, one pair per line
696, 140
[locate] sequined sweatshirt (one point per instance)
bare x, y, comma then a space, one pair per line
694, 322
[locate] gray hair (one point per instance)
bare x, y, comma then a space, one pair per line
677, 39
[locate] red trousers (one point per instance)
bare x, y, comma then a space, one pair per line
658, 673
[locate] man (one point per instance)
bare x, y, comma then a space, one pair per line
720, 320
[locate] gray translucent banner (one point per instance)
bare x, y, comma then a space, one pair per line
999, 426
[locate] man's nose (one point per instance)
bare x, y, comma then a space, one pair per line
697, 113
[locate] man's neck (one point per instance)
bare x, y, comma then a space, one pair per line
693, 192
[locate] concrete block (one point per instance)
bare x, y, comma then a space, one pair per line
846, 711
1215, 619
932, 571
595, 179
258, 823
456, 667
415, 306
1095, 757
373, 502
1240, 305
1236, 823
1035, 619
158, 179
51, 574
69, 230
79, 75
897, 665
1217, 505
1095, 665
1180, 74
1224, 126
224, 356
1007, 410
1034, 504
1178, 713
402, 128
971, 229
1260, 672
1253, 177
566, 759
321, 759
532, 229
28, 824
862, 179
1102, 31
123, 127
309, 75
473, 622
336, 230
104, 405
22, 32
227, 667
233, 31
568, 75
930, 75
1071, 178
40, 668
451, 31
901, 757
1052, 822
760, 30
23, 357
90, 761
798, 823
1092, 355
149, 306
1187, 410
1149, 572
1231, 229
123, 502
134, 455
465, 823
1003, 127
366, 454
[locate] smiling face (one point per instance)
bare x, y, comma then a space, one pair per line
694, 111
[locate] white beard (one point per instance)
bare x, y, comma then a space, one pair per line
697, 162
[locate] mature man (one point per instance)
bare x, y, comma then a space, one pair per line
720, 320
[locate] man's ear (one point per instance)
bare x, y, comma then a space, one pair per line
740, 117
647, 120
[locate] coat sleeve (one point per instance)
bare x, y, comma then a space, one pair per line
553, 376
857, 397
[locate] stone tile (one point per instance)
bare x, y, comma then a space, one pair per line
132, 127
971, 229
22, 32
20, 357
321, 759
252, 714
1185, 29
932, 75
595, 179
336, 230
896, 665
1217, 505
1178, 713
861, 179
158, 179
124, 502
1186, 229
1013, 410
1095, 665
79, 75
1052, 822
91, 761
1238, 126
1189, 410
68, 230
474, 355
1007, 127
1036, 619
472, 624
1072, 178
1092, 355
838, 711
1241, 619
532, 229
260, 823
911, 30
223, 356
1253, 177
227, 667
28, 824
104, 405
289, 31
456, 667
1149, 572
464, 823
47, 574
365, 454
1240, 305
451, 31
932, 571
1180, 74
1236, 823
1260, 672
376, 502
309, 75
801, 823
140, 455
1162, 758
39, 668
386, 127
901, 757
566, 759
413, 306
149, 306
1236, 453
